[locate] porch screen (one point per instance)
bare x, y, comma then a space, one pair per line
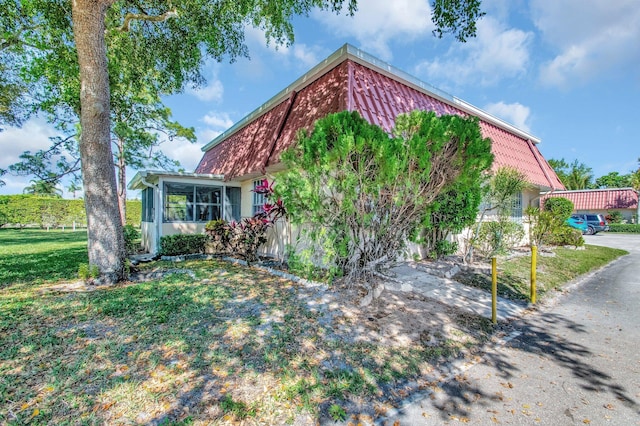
191, 203
147, 205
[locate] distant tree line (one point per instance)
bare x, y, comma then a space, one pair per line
578, 175
53, 212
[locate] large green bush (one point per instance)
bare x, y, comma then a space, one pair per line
566, 236
364, 193
180, 244
632, 228
560, 207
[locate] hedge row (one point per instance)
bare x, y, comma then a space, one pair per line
633, 228
174, 245
51, 212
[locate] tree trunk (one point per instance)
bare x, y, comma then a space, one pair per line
104, 227
122, 181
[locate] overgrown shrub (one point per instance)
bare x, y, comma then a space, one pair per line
566, 236
443, 248
179, 244
614, 216
242, 238
366, 192
131, 237
498, 237
219, 233
560, 207
632, 228
542, 223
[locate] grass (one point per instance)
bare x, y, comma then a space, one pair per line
234, 344
552, 272
34, 255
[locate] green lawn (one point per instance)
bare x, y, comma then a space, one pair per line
552, 272
232, 344
34, 255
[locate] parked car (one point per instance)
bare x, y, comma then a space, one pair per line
578, 224
595, 222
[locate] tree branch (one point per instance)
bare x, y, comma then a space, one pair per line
144, 17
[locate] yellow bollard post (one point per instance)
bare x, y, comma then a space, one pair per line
494, 291
534, 262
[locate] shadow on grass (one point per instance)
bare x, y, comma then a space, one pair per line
46, 266
240, 345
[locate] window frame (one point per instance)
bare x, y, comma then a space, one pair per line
193, 202
259, 200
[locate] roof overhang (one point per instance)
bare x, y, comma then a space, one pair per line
348, 51
148, 178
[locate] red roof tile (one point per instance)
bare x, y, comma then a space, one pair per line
599, 199
379, 97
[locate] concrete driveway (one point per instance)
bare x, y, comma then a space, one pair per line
574, 363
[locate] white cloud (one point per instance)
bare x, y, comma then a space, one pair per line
590, 36
213, 91
188, 154
32, 136
218, 120
378, 22
496, 53
515, 113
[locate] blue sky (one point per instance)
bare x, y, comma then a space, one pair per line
567, 71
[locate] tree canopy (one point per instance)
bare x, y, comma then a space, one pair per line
573, 176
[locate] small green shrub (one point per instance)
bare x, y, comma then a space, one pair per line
614, 216
498, 237
560, 207
175, 245
632, 228
88, 272
219, 233
131, 237
337, 413
443, 248
566, 236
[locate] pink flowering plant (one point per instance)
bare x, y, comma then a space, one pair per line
244, 238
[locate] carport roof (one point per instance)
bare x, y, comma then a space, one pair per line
599, 199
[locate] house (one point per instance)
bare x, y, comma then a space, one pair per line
603, 201
249, 151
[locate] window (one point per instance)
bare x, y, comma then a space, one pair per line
258, 199
191, 203
147, 205
232, 204
516, 207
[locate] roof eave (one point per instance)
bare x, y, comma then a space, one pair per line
140, 180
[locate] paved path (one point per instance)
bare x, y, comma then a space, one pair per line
575, 363
452, 293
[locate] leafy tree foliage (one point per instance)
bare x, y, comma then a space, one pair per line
364, 193
613, 180
47, 188
560, 207
573, 176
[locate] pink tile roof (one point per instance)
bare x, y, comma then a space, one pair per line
353, 83
599, 199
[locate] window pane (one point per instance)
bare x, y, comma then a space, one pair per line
178, 202
232, 204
